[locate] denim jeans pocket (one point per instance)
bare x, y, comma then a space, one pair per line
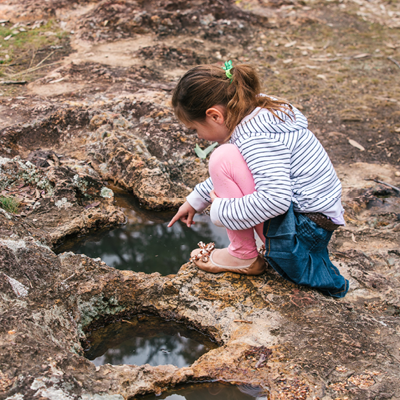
307, 230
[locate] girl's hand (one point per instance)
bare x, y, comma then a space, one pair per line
213, 195
185, 213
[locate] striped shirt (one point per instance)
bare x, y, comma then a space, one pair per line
288, 164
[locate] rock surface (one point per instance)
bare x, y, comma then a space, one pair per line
312, 345
59, 197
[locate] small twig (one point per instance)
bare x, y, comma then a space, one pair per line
33, 57
35, 68
330, 371
28, 280
37, 65
394, 61
388, 184
65, 280
9, 69
44, 59
243, 320
128, 322
294, 303
14, 82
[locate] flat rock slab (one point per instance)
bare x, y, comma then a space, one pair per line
271, 333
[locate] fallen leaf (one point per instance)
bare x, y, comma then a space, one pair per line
362, 55
203, 153
290, 44
336, 134
289, 60
305, 47
356, 144
321, 59
322, 77
387, 99
58, 80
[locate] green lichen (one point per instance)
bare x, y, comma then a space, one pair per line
29, 174
63, 203
46, 185
80, 183
106, 193
36, 179
97, 306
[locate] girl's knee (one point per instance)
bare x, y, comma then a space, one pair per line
222, 153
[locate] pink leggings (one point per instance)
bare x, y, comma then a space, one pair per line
232, 179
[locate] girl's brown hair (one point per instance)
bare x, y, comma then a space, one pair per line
205, 86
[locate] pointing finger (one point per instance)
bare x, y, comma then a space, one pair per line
173, 220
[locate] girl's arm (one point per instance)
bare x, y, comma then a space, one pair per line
197, 201
269, 162
200, 198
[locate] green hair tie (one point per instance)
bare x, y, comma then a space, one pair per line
227, 68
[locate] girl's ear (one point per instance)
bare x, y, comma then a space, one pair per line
217, 114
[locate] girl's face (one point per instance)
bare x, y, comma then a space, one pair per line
213, 128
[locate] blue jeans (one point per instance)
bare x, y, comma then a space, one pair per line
296, 248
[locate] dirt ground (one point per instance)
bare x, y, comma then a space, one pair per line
85, 90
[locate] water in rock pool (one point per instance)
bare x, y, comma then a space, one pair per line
211, 391
145, 243
146, 339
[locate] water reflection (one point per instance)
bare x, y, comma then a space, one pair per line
214, 391
145, 243
147, 340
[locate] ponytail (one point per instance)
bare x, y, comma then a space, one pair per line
205, 86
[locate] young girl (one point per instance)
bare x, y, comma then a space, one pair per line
270, 174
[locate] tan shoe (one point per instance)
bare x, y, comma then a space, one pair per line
203, 259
